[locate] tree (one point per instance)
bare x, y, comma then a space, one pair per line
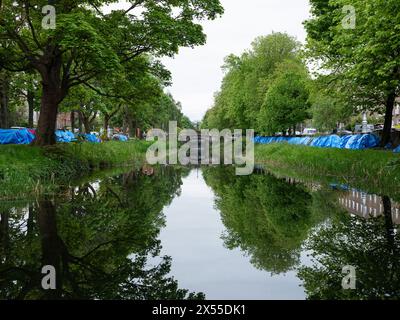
86, 103
17, 90
4, 99
287, 100
327, 113
364, 58
88, 43
329, 107
156, 112
247, 79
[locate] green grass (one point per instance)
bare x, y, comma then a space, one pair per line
374, 171
30, 170
25, 169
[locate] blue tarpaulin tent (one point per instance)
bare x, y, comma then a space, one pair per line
326, 142
343, 141
120, 137
364, 141
16, 136
354, 142
65, 136
92, 138
68, 137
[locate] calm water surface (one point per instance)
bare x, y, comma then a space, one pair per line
175, 233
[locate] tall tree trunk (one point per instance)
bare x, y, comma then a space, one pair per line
106, 121
124, 125
45, 134
131, 125
86, 125
387, 129
85, 120
135, 125
80, 124
72, 120
54, 91
31, 106
4, 98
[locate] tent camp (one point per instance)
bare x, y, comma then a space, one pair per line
16, 136
353, 142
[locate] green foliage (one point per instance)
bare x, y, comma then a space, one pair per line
363, 61
329, 106
25, 169
327, 113
374, 171
158, 112
287, 100
103, 50
241, 100
17, 90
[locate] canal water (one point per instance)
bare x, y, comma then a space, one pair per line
175, 233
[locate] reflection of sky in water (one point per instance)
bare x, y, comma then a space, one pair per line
200, 262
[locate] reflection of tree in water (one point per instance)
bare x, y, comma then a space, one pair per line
100, 242
370, 245
267, 217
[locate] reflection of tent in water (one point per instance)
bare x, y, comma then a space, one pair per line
16, 136
367, 205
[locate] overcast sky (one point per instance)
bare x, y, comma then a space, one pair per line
197, 72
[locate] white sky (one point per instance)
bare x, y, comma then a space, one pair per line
197, 72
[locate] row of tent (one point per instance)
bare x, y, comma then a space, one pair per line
353, 142
14, 136
26, 136
66, 136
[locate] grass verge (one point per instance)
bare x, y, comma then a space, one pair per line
24, 169
374, 171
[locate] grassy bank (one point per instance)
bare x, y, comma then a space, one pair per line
24, 168
374, 171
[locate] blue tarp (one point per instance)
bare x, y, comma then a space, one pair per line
363, 141
24, 136
354, 142
65, 136
327, 142
120, 137
16, 136
68, 137
92, 138
343, 141
397, 150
